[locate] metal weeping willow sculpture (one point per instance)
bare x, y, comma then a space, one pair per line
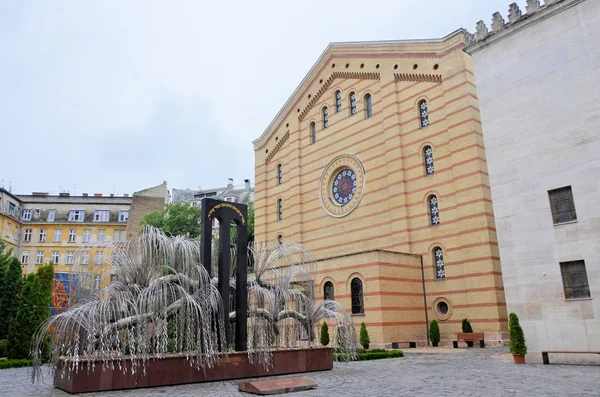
166, 302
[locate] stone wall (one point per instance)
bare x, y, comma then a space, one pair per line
144, 202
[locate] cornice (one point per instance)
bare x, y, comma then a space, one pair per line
277, 146
426, 78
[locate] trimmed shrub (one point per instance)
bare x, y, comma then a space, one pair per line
324, 334
376, 354
434, 332
10, 289
3, 348
517, 337
364, 336
466, 328
4, 364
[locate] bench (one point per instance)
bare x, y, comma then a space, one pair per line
547, 360
411, 345
470, 337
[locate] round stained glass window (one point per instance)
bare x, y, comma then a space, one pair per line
344, 186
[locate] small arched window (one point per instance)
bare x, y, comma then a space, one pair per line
428, 159
280, 240
328, 291
279, 174
352, 103
313, 133
325, 117
356, 288
434, 210
338, 101
438, 261
368, 106
279, 209
423, 113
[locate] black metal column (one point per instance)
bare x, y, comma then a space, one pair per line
241, 287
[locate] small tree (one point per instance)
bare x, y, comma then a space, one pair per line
9, 293
324, 334
364, 336
179, 219
434, 332
466, 328
517, 337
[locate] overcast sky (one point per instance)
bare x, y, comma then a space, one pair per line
116, 96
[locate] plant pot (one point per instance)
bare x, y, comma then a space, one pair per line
435, 344
366, 347
519, 358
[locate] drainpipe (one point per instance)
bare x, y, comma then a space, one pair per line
425, 301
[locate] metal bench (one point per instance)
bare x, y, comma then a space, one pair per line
470, 337
547, 360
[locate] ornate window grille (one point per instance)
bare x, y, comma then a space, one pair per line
313, 133
438, 258
325, 117
279, 174
329, 291
562, 205
280, 209
434, 210
352, 103
428, 156
338, 101
575, 280
356, 288
368, 105
424, 113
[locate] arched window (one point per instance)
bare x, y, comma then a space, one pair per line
313, 133
368, 106
279, 174
423, 113
428, 158
279, 209
280, 240
438, 261
328, 291
325, 117
434, 210
356, 288
352, 103
338, 101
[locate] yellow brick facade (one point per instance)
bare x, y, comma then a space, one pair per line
387, 235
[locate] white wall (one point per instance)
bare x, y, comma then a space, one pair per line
539, 96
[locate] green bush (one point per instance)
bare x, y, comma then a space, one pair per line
466, 328
434, 332
3, 348
10, 289
324, 334
371, 355
364, 336
4, 364
517, 337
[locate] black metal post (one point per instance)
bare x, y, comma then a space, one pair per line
206, 238
224, 271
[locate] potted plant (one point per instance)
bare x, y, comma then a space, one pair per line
434, 333
466, 329
364, 336
324, 334
518, 348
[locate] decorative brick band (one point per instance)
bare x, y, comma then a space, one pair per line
427, 78
277, 146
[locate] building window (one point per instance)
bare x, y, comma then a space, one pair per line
438, 259
352, 103
114, 278
279, 209
313, 133
55, 257
279, 174
27, 235
575, 280
123, 215
562, 205
26, 215
99, 257
12, 209
328, 291
119, 236
101, 216
101, 235
428, 156
85, 257
57, 235
423, 113
25, 257
37, 212
39, 259
325, 117
51, 215
230, 199
7, 229
356, 288
434, 210
338, 101
86, 235
368, 106
70, 256
280, 240
76, 215
72, 235
42, 235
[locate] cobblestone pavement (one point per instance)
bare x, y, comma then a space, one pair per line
471, 373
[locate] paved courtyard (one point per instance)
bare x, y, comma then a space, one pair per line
475, 372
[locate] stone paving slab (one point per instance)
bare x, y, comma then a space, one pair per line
470, 373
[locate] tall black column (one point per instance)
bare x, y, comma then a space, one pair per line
241, 289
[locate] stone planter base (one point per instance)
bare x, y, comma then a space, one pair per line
176, 370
